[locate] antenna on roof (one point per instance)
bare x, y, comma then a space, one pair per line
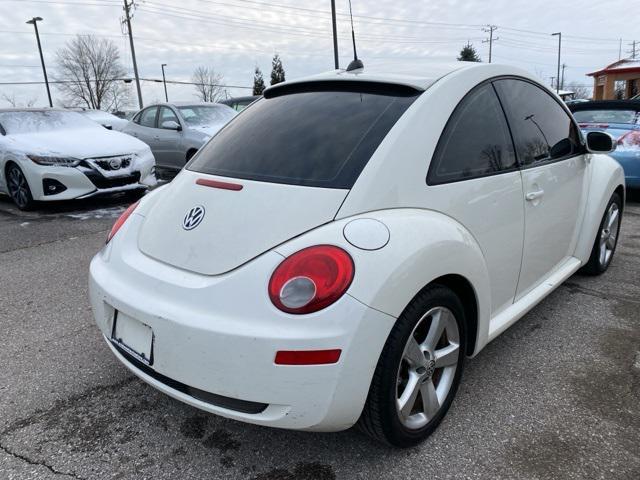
356, 63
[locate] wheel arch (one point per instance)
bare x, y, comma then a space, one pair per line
463, 288
607, 178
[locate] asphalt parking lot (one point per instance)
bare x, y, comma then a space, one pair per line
556, 396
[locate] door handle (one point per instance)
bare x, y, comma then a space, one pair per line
156, 137
531, 196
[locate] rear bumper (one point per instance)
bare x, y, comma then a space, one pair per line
215, 339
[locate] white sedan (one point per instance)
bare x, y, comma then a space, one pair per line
338, 250
53, 154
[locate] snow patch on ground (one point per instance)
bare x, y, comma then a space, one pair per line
110, 212
24, 224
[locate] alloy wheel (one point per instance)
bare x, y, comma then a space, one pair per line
18, 186
427, 368
609, 234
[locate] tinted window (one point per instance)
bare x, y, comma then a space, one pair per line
167, 115
321, 138
542, 130
148, 117
475, 142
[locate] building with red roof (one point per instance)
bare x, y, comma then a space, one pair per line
623, 75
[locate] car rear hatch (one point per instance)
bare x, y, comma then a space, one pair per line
286, 165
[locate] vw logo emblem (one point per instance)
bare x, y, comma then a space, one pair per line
115, 163
193, 218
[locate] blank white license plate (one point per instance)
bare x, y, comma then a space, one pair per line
134, 336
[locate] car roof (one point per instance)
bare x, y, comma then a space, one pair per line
43, 109
606, 105
418, 75
185, 104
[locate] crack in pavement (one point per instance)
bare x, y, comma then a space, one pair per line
574, 287
28, 460
79, 235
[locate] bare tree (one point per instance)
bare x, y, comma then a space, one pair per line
15, 103
92, 72
579, 91
209, 84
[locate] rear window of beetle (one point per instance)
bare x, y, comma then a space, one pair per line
606, 116
318, 136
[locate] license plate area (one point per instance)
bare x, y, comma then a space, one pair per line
133, 336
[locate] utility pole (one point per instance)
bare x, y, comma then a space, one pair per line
335, 34
562, 80
490, 29
633, 49
552, 79
34, 21
164, 81
127, 6
620, 50
559, 35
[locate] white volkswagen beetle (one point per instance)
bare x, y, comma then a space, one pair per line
338, 249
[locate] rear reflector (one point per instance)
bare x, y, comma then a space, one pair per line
307, 357
216, 184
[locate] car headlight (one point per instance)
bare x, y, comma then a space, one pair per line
55, 161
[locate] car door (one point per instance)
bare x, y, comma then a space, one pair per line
474, 178
553, 168
143, 126
168, 142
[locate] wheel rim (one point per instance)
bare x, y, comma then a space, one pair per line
428, 367
18, 187
609, 234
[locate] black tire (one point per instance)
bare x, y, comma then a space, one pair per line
19, 188
595, 265
380, 418
190, 154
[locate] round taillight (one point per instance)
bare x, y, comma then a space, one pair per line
311, 279
123, 218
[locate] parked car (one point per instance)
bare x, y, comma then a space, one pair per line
176, 131
335, 253
51, 154
621, 119
107, 120
240, 103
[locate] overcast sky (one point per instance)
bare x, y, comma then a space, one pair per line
234, 36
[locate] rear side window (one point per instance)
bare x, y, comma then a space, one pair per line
476, 141
543, 130
318, 136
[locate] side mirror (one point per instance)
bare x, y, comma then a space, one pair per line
600, 142
171, 125
107, 126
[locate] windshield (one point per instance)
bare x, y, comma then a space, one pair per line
311, 138
605, 116
43, 121
203, 115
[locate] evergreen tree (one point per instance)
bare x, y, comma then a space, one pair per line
258, 82
277, 70
469, 54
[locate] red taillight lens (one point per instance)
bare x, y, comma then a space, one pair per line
123, 218
307, 357
311, 279
630, 139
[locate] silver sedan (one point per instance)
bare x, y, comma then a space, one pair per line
176, 131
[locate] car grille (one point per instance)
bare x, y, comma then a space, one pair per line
112, 163
100, 181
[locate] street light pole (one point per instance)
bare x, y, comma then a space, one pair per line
559, 34
34, 21
164, 81
335, 34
